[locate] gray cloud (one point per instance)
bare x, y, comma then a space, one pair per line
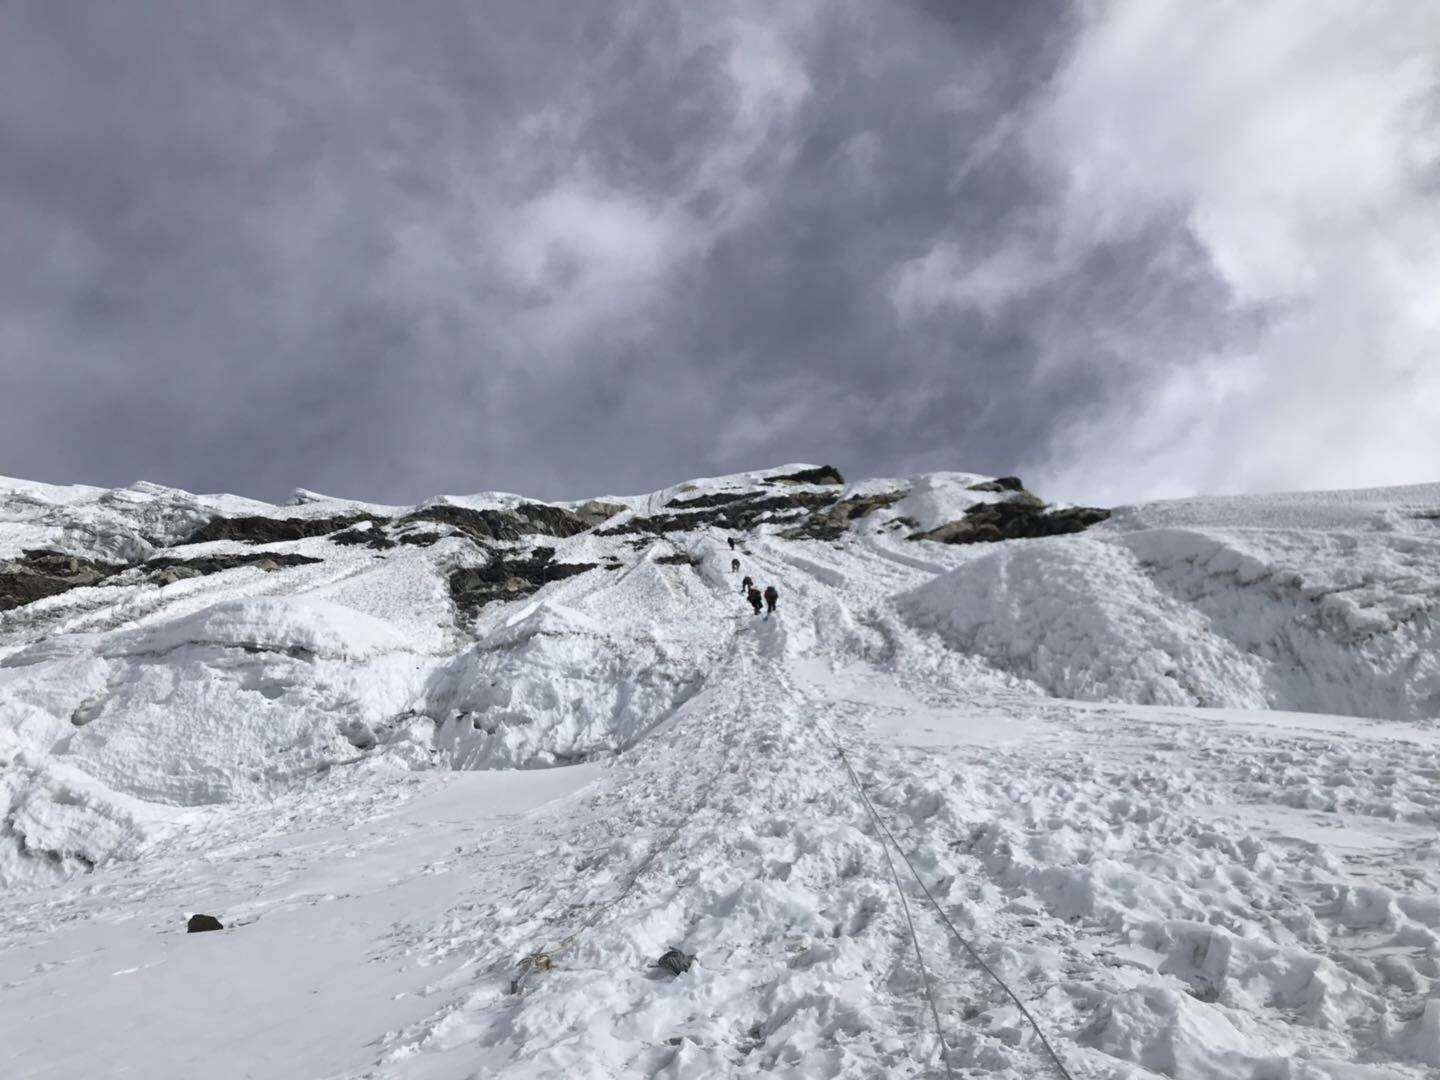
392, 251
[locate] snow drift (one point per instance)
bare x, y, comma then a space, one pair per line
1328, 604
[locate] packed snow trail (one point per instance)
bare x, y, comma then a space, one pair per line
768, 832
776, 882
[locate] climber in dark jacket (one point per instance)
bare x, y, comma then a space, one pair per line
771, 596
747, 585
732, 542
754, 597
734, 565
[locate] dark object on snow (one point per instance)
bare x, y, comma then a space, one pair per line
772, 595
740, 511
833, 522
36, 574
678, 558
734, 565
509, 577
262, 530
747, 585
675, 961
372, 537
1022, 517
166, 570
732, 543
755, 599
198, 924
824, 474
1003, 483
523, 519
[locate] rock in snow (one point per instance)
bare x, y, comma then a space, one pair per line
675, 961
199, 924
406, 747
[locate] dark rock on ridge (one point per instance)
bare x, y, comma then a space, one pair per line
213, 564
374, 537
1020, 518
503, 578
596, 512
832, 523
263, 530
702, 502
422, 539
743, 512
824, 474
198, 924
1003, 483
527, 519
39, 573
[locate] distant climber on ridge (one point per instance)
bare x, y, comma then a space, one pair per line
731, 540
772, 595
734, 565
747, 585
754, 597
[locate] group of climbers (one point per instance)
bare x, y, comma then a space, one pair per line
769, 598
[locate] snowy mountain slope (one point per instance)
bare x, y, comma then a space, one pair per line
1327, 603
330, 724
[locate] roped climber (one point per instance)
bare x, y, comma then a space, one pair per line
772, 595
734, 565
755, 599
747, 585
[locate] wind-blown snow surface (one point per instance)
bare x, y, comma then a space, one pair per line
326, 755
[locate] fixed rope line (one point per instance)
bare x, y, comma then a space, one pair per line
914, 938
970, 949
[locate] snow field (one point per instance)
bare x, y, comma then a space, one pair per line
1174, 890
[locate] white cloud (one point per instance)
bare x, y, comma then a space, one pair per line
1299, 140
950, 277
548, 245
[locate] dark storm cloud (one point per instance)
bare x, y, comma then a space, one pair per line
388, 251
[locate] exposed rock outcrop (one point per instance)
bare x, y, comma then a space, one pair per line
823, 474
264, 530
703, 502
527, 519
743, 512
1023, 516
166, 569
366, 534
38, 574
508, 578
596, 512
832, 523
676, 961
1002, 483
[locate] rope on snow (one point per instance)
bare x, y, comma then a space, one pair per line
970, 949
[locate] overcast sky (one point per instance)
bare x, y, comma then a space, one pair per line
391, 250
